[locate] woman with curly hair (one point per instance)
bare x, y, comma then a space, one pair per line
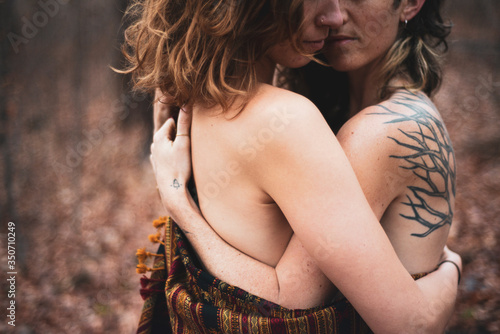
272, 179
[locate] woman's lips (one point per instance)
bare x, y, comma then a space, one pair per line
339, 40
314, 45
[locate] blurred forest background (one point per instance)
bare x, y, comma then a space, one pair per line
76, 181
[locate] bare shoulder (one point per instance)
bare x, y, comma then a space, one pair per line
283, 95
276, 114
283, 127
269, 98
274, 120
404, 117
268, 113
298, 113
408, 109
399, 143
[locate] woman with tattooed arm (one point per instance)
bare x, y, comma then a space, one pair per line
395, 141
387, 52
395, 138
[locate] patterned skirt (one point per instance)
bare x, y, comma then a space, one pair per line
190, 300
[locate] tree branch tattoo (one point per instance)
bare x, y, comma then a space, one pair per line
430, 158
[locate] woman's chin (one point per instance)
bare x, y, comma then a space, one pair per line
299, 61
340, 63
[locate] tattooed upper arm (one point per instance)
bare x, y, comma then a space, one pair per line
426, 151
404, 161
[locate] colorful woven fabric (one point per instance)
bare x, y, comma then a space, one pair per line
197, 302
154, 315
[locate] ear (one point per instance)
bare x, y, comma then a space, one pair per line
411, 9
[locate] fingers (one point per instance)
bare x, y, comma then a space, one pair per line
160, 115
184, 122
452, 256
163, 109
166, 131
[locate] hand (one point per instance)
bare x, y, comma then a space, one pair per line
449, 255
171, 160
163, 109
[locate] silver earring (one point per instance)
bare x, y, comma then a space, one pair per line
406, 23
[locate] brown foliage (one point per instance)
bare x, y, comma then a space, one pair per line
76, 180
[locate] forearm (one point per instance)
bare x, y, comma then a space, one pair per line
163, 109
440, 288
221, 259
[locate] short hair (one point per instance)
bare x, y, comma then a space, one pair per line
417, 52
205, 50
416, 55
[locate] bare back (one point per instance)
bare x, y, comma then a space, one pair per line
413, 200
224, 148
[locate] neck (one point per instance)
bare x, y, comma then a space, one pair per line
363, 88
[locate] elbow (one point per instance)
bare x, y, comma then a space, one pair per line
428, 323
431, 320
434, 325
417, 323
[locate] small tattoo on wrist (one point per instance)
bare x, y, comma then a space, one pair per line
176, 184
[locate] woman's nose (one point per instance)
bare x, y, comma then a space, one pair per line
329, 14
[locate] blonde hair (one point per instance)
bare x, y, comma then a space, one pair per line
205, 50
416, 54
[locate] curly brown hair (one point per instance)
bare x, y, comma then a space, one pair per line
205, 51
